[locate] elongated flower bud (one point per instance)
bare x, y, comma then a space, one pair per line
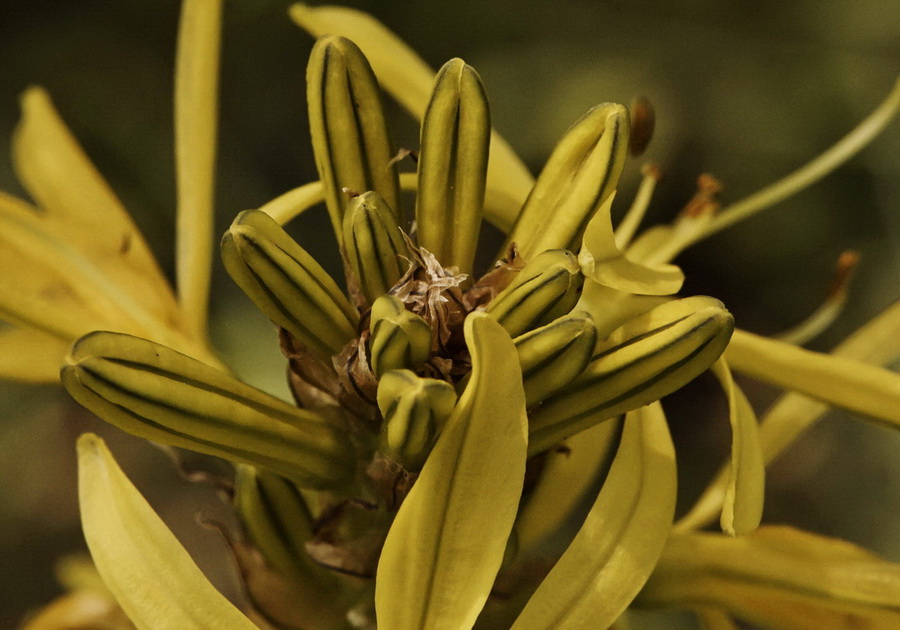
582, 172
553, 355
400, 338
373, 244
414, 410
278, 522
546, 288
647, 358
287, 284
453, 159
346, 121
154, 392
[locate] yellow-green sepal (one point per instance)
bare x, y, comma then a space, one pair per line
400, 339
453, 166
414, 411
350, 139
373, 244
287, 284
157, 393
546, 288
152, 577
645, 359
447, 543
581, 173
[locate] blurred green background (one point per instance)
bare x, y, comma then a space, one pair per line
746, 91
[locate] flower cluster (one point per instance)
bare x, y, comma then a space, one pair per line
449, 424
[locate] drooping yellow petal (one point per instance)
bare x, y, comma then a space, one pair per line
744, 495
877, 342
78, 208
866, 389
30, 356
151, 575
196, 115
447, 542
779, 578
602, 262
711, 619
617, 547
408, 79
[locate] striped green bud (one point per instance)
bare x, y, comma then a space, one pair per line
453, 158
400, 339
544, 289
581, 173
553, 355
154, 392
414, 410
642, 361
287, 284
350, 139
374, 245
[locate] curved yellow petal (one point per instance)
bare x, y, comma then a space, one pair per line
407, 78
447, 542
30, 356
617, 547
865, 389
877, 342
779, 578
294, 202
196, 113
151, 575
745, 492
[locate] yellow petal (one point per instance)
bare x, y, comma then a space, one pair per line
711, 619
30, 356
744, 495
79, 208
617, 547
860, 387
407, 78
196, 111
779, 578
602, 262
877, 342
151, 575
447, 542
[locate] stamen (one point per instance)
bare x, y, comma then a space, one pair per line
830, 308
629, 225
643, 122
806, 175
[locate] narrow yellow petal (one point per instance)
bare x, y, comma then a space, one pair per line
711, 619
408, 79
744, 495
877, 342
30, 356
779, 578
151, 575
865, 389
446, 545
603, 262
295, 202
196, 112
616, 549
78, 208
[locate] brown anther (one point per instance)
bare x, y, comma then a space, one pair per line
843, 273
704, 202
643, 121
651, 169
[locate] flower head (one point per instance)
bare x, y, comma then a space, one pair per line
450, 421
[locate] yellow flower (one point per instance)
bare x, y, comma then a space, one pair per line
449, 427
